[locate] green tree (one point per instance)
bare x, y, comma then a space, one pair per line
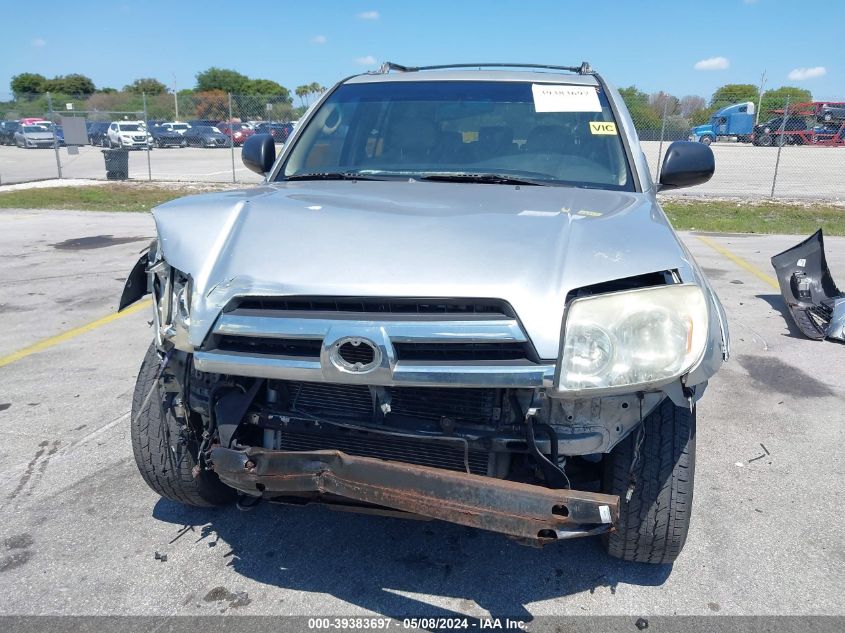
147, 85
302, 92
28, 83
734, 93
268, 88
776, 99
106, 90
73, 84
222, 79
638, 105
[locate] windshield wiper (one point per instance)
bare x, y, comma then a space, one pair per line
332, 175
493, 179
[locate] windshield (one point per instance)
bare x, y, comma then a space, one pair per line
129, 127
204, 129
546, 133
35, 128
180, 126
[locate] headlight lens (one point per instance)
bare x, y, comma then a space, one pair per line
632, 338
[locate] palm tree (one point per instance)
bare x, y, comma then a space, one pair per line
302, 92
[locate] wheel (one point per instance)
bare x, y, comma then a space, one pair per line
782, 140
108, 142
164, 449
706, 140
653, 525
765, 140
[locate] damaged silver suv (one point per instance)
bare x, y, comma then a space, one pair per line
455, 296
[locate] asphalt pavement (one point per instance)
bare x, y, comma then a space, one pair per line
79, 529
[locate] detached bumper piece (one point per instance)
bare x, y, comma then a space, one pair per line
533, 513
815, 303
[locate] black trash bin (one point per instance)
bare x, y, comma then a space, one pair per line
117, 164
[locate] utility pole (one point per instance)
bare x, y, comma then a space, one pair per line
760, 97
175, 98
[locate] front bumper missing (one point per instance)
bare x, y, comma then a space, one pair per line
519, 510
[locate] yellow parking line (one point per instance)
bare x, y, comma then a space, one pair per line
740, 262
66, 336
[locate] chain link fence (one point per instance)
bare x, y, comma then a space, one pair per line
777, 145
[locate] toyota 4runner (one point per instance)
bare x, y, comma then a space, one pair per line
455, 296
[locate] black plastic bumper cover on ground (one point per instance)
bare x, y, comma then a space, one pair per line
815, 303
512, 508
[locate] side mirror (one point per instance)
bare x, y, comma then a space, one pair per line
686, 164
259, 153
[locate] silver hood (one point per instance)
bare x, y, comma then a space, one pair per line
526, 245
38, 136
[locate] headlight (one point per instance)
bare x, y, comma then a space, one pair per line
633, 338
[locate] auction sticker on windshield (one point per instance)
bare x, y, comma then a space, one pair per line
562, 98
602, 127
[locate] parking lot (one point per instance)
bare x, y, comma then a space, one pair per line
80, 529
741, 169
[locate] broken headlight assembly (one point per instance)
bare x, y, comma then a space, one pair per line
171, 290
632, 339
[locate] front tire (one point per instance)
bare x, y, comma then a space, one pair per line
706, 140
653, 525
164, 459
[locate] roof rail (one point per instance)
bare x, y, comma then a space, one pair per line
583, 69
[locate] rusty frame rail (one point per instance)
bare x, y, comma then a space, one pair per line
516, 509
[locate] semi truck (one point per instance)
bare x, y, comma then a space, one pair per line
733, 121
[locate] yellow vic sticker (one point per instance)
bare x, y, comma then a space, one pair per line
602, 127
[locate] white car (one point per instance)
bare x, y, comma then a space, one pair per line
128, 135
176, 126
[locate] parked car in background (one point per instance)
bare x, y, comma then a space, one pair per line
97, 132
128, 135
166, 137
205, 136
279, 131
7, 132
55, 129
238, 132
34, 136
206, 122
175, 126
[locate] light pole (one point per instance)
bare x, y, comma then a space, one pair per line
175, 98
760, 97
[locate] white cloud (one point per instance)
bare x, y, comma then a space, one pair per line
319, 39
800, 74
38, 42
367, 60
369, 15
712, 63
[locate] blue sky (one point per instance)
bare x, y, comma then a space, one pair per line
652, 44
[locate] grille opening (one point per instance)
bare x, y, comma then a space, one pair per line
303, 348
460, 351
357, 352
376, 305
358, 403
